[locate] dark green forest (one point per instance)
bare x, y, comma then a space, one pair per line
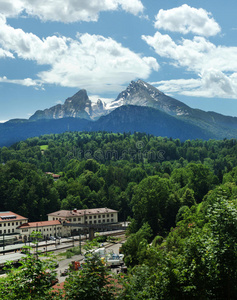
144, 177
180, 199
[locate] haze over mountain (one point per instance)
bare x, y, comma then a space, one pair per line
140, 107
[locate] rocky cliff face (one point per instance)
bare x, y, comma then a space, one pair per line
137, 93
77, 106
143, 94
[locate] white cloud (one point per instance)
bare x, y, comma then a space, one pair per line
11, 8
186, 19
179, 86
97, 64
68, 11
212, 83
195, 55
94, 99
4, 54
215, 66
25, 82
89, 61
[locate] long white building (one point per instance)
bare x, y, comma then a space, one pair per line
11, 223
86, 216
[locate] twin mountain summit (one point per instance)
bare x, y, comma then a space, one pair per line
139, 108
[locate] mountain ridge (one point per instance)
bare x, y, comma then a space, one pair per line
128, 112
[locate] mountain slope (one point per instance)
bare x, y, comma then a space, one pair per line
143, 94
123, 119
149, 120
77, 106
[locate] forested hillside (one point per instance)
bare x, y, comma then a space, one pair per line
114, 170
179, 197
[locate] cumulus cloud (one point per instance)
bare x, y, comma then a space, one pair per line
89, 61
215, 67
211, 83
196, 55
68, 10
97, 63
193, 54
186, 19
4, 54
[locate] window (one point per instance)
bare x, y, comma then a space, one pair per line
107, 215
0, 224
103, 221
70, 220
4, 224
53, 219
107, 220
12, 224
90, 217
74, 219
99, 216
9, 230
4, 230
94, 217
16, 223
112, 220
90, 222
9, 224
86, 218
94, 221
0, 231
99, 221
24, 230
103, 216
112, 215
20, 223
12, 230
79, 219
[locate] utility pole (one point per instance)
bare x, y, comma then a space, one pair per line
3, 243
37, 240
80, 240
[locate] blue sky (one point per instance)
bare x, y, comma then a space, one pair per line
51, 49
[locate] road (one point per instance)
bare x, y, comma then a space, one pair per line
64, 264
60, 246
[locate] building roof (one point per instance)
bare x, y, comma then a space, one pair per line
10, 216
39, 224
81, 212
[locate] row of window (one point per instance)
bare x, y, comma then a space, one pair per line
86, 217
9, 224
5, 231
99, 221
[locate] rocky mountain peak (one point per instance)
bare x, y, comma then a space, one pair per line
77, 106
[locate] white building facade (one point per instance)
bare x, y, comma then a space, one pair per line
46, 228
9, 222
86, 216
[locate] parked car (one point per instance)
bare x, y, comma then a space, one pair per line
52, 238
